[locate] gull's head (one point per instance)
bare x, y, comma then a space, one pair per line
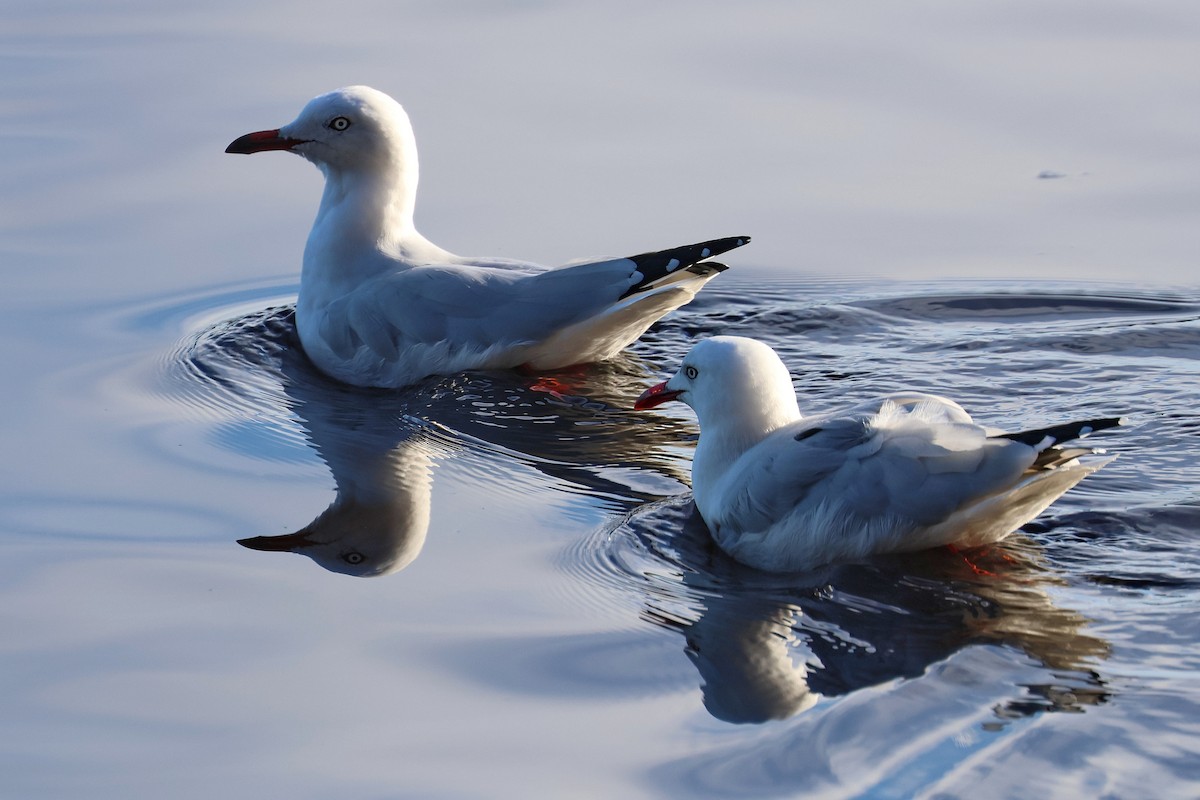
350, 129
727, 378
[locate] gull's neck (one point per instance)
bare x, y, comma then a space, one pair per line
728, 431
364, 226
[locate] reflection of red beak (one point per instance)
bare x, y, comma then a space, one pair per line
655, 396
259, 141
285, 543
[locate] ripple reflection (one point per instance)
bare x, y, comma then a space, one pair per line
771, 646
383, 447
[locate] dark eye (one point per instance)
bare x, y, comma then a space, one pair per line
352, 558
339, 123
690, 372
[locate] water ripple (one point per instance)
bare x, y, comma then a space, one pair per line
768, 646
1026, 307
252, 368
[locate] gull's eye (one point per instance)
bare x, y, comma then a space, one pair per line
690, 372
339, 123
352, 558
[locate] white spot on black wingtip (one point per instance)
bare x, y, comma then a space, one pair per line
1044, 443
673, 264
705, 253
1085, 430
707, 268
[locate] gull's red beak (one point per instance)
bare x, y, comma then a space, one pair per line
260, 141
655, 396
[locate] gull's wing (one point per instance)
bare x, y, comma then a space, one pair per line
916, 461
477, 308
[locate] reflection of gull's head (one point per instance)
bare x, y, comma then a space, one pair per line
364, 537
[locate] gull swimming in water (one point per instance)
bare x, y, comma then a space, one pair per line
381, 305
907, 472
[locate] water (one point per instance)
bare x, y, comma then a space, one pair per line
547, 606
546, 617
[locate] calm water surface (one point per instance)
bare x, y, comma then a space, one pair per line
512, 597
545, 609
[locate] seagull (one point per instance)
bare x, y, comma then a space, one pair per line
910, 471
380, 305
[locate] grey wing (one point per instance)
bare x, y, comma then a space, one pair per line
788, 471
555, 299
931, 460
474, 307
896, 464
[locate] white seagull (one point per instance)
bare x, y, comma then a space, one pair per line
381, 305
907, 472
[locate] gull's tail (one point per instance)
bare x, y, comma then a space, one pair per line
1045, 440
663, 267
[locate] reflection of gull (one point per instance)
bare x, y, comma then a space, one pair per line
381, 305
382, 465
743, 650
768, 650
377, 523
383, 452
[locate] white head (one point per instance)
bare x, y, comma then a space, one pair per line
730, 380
355, 129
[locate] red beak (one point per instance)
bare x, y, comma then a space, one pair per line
655, 396
259, 141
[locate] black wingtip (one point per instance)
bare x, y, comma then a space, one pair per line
1042, 438
660, 261
1105, 423
654, 266
708, 268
